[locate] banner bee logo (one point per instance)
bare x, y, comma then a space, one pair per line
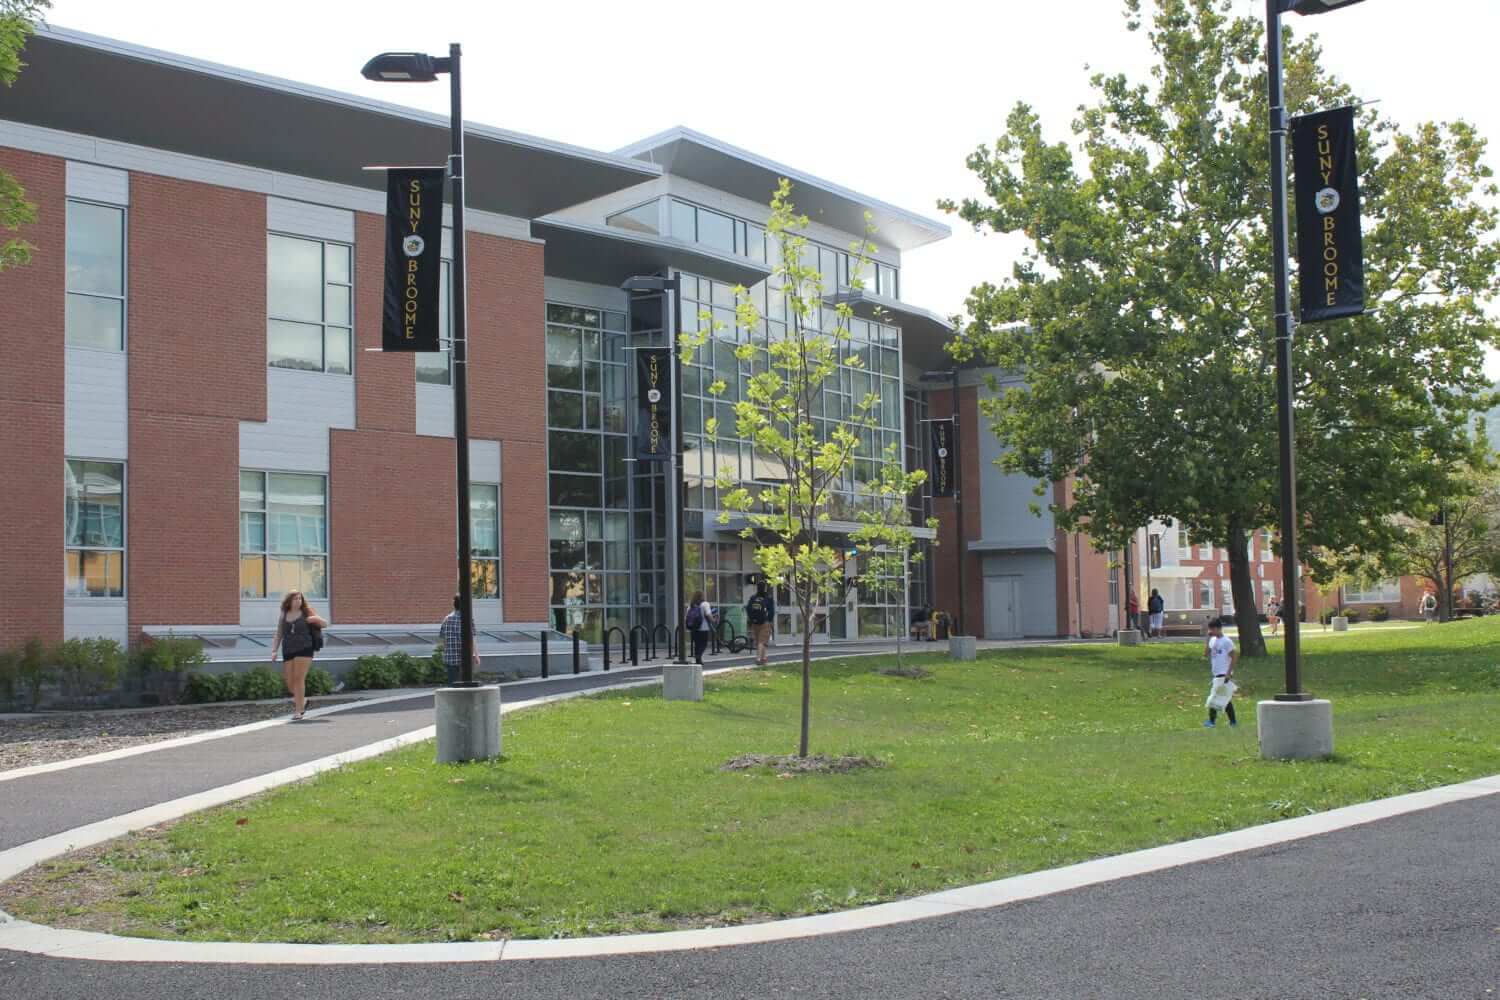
1327, 200
413, 245
653, 396
942, 453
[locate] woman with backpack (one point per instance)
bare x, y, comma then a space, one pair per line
299, 634
700, 622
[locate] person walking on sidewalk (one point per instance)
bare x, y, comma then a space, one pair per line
1273, 615
451, 633
1156, 608
298, 636
760, 611
1221, 656
700, 621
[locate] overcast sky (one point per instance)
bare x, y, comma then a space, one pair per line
889, 97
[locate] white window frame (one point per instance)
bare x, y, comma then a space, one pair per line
265, 552
1381, 592
123, 298
123, 547
322, 324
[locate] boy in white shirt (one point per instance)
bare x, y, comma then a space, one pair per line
1221, 656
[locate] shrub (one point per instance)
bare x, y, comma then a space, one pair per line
436, 673
9, 663
372, 672
319, 681
168, 655
33, 670
410, 670
259, 684
1380, 613
200, 688
88, 666
1352, 614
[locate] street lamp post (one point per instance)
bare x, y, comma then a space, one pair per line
1283, 734
418, 67
958, 490
675, 527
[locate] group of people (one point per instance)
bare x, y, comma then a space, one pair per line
1156, 612
760, 612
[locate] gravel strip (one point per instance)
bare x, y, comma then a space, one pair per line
44, 738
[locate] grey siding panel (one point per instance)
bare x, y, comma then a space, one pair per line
95, 412
95, 183
1038, 573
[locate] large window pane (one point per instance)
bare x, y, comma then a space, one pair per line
96, 248
294, 345
641, 219
432, 367
89, 573
252, 531
573, 452
716, 231
294, 286
484, 518
336, 351
252, 576
296, 513
91, 321
93, 509
683, 227
564, 359
576, 491
336, 260
336, 304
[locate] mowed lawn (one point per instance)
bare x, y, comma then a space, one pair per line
610, 814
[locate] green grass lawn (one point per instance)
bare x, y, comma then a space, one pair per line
610, 814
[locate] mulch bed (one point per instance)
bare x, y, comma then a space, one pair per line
788, 764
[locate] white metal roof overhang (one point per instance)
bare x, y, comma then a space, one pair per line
708, 161
112, 90
607, 255
923, 332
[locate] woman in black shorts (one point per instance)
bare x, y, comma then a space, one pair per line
294, 637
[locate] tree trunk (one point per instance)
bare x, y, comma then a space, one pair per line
1246, 611
806, 681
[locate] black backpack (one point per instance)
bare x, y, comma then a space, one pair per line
317, 637
756, 610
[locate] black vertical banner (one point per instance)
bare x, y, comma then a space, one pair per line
942, 458
1330, 249
413, 258
653, 392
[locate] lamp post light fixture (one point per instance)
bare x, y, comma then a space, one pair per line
661, 284
951, 376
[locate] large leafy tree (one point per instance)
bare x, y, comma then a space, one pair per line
1141, 312
17, 19
1467, 539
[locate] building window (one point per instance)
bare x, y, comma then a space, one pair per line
95, 315
1381, 592
1205, 594
1205, 551
283, 534
484, 540
1227, 590
436, 367
94, 529
641, 219
309, 304
1265, 545
1184, 547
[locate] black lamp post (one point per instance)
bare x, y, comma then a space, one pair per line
1279, 252
418, 67
661, 284
958, 488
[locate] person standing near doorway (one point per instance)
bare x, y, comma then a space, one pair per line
297, 636
760, 612
700, 622
1156, 608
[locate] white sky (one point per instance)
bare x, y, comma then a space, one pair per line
889, 99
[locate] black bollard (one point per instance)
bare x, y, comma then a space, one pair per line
546, 635
635, 649
577, 652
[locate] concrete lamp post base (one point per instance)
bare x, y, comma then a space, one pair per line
682, 682
1340, 623
1295, 730
468, 724
1128, 637
963, 647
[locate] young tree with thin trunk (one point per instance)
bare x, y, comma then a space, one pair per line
787, 514
1145, 296
1470, 525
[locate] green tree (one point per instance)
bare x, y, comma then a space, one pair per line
17, 20
1471, 525
787, 516
1145, 305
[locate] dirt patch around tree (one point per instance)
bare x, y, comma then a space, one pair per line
789, 764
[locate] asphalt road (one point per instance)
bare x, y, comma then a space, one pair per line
1403, 909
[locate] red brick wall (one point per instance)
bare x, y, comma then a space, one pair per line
507, 401
392, 518
31, 411
197, 347
385, 385
946, 580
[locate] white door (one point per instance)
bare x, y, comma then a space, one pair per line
1002, 607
